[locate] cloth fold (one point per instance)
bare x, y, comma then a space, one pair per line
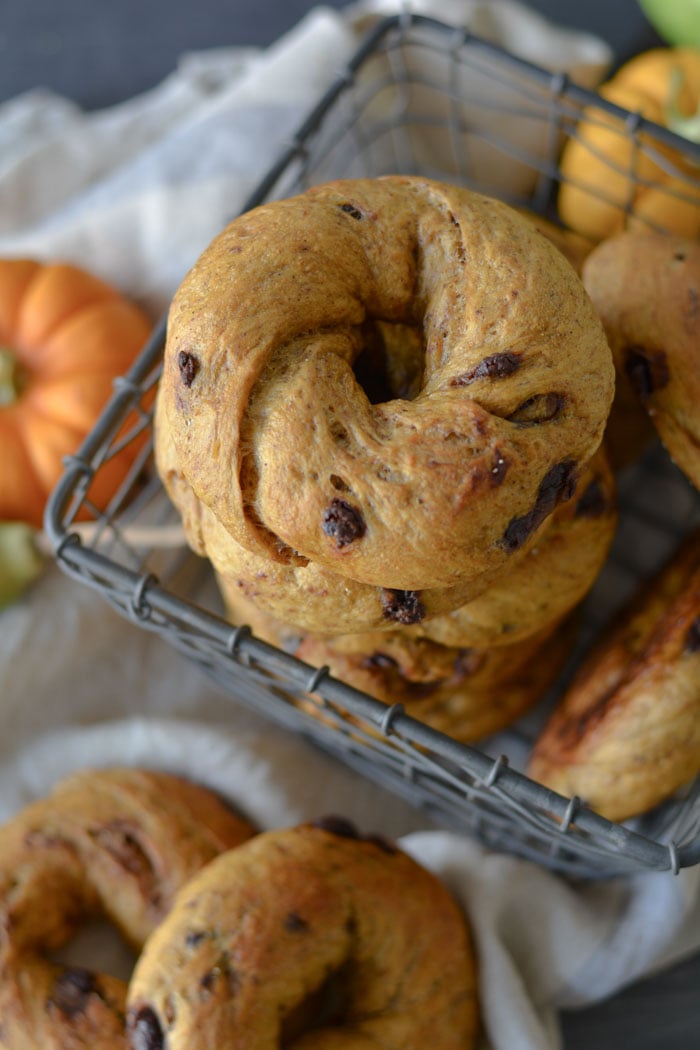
135, 193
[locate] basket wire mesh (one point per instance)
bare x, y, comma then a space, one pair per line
421, 98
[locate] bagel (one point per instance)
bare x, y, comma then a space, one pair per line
549, 581
646, 289
308, 937
465, 693
304, 594
626, 734
262, 396
117, 843
543, 588
573, 246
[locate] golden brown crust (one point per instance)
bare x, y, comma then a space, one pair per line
545, 585
115, 842
646, 289
307, 595
465, 692
549, 581
309, 924
432, 493
573, 246
627, 733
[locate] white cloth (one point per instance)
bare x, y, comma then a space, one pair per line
135, 193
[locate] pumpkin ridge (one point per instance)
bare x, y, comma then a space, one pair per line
71, 335
57, 292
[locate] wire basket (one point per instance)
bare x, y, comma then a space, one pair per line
422, 98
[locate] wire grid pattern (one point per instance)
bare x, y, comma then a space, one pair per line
422, 98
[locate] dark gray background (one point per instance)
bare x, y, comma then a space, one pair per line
99, 53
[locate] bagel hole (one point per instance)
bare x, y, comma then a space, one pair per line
97, 946
391, 363
324, 1007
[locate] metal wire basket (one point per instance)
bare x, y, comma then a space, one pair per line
418, 97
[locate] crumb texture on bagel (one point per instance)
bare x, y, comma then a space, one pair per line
390, 379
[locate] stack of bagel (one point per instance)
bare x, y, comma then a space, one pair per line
382, 417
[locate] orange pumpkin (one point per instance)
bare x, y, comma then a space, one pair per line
64, 336
610, 183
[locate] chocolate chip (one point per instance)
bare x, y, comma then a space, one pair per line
351, 210
343, 523
337, 826
542, 408
71, 990
495, 366
381, 661
294, 923
145, 1032
402, 606
194, 937
208, 981
647, 370
692, 638
381, 843
557, 486
188, 365
593, 502
517, 532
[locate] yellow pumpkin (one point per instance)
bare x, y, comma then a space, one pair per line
609, 183
64, 336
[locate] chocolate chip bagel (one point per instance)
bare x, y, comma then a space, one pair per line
463, 691
310, 937
646, 289
627, 732
302, 460
117, 843
544, 585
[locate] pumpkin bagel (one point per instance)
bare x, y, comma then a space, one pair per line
626, 734
305, 439
646, 289
311, 937
116, 843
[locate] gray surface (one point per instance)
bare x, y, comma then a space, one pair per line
99, 53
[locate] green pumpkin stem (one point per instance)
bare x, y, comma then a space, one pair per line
9, 377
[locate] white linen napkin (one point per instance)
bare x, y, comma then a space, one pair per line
135, 193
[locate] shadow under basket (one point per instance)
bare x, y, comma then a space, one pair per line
420, 98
